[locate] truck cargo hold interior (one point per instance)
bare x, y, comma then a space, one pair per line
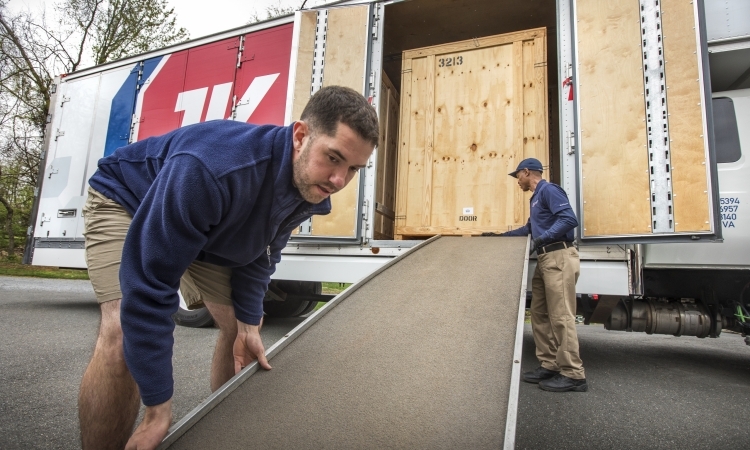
420, 23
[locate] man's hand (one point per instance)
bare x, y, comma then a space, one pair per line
153, 429
248, 347
534, 245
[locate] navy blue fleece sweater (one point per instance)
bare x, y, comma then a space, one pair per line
219, 192
552, 219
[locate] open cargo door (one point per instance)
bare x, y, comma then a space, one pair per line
331, 47
645, 158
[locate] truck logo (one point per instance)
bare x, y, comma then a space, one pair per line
193, 102
239, 78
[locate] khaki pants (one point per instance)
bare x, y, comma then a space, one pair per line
106, 224
553, 307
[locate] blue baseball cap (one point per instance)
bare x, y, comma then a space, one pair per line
528, 163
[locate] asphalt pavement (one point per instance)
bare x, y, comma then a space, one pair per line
47, 333
644, 391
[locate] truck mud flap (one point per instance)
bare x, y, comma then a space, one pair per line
423, 353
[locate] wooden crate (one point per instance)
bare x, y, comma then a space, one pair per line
470, 112
385, 190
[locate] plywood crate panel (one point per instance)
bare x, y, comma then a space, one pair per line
470, 112
385, 190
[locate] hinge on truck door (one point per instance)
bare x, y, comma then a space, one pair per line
59, 133
375, 19
239, 43
134, 121
373, 92
571, 142
365, 220
240, 49
64, 100
321, 32
139, 82
365, 210
52, 171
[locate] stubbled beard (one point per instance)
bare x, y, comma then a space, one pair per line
306, 187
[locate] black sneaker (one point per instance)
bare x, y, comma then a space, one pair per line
538, 374
561, 383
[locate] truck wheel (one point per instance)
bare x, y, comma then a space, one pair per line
293, 307
196, 318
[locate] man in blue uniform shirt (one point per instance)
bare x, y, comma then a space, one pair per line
553, 287
207, 209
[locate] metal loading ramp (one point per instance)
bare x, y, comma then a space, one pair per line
418, 355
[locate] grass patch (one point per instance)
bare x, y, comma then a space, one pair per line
14, 269
334, 289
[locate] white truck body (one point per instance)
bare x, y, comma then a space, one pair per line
87, 122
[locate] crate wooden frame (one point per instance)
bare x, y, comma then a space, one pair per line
416, 186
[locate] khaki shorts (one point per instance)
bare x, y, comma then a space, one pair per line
106, 225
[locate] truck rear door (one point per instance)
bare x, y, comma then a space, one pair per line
332, 47
79, 133
645, 164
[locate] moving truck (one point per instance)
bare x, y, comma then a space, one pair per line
634, 107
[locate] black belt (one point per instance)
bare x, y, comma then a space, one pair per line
553, 247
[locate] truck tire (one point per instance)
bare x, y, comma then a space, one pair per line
197, 318
293, 307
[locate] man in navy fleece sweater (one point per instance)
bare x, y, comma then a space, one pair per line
213, 203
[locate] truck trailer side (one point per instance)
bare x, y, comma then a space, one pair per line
635, 154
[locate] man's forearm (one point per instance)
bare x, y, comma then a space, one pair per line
559, 229
521, 231
154, 427
243, 327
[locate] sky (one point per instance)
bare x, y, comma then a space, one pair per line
200, 17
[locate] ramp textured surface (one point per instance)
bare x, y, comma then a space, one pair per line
418, 357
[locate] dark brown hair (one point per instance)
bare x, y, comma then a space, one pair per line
334, 104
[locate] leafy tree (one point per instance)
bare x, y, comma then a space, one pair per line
33, 50
276, 10
119, 28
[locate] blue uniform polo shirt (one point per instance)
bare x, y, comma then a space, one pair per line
552, 219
